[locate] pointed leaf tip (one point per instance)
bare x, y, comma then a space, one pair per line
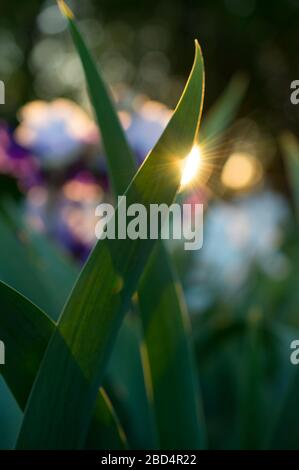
65, 9
198, 50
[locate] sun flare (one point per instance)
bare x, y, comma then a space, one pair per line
191, 166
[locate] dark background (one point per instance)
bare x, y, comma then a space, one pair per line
260, 38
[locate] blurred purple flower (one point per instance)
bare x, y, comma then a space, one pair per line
67, 214
17, 161
56, 132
